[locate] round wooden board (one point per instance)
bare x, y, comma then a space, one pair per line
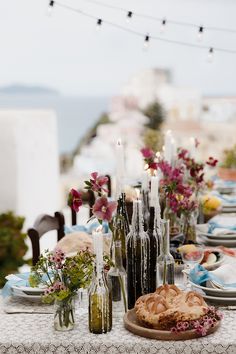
131, 324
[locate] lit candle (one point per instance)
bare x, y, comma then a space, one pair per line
120, 168
173, 151
154, 191
192, 146
98, 247
168, 146
145, 181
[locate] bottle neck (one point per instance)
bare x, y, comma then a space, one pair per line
165, 237
151, 225
117, 255
137, 217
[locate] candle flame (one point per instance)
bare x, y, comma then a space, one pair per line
119, 142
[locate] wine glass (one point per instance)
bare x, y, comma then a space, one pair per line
191, 258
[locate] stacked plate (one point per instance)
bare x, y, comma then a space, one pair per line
27, 292
218, 296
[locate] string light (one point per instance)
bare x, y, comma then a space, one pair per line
210, 57
163, 26
141, 34
129, 16
200, 33
99, 24
146, 42
50, 7
154, 18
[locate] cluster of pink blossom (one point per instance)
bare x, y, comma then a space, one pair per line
97, 183
57, 258
57, 286
202, 325
176, 191
75, 200
150, 158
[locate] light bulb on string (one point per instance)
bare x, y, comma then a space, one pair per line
146, 42
50, 7
163, 26
210, 56
129, 16
99, 24
200, 33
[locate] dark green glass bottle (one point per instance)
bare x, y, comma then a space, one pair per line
138, 251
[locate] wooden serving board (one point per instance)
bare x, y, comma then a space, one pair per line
131, 324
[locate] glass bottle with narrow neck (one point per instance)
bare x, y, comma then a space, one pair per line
138, 253
145, 203
100, 303
165, 261
121, 227
117, 281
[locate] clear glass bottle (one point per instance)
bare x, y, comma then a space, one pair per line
117, 281
170, 215
64, 314
165, 262
100, 302
138, 253
188, 224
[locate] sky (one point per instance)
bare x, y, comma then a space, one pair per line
65, 52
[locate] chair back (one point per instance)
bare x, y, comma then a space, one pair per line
43, 224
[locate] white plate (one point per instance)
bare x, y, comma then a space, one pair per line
216, 292
28, 290
221, 300
218, 242
220, 236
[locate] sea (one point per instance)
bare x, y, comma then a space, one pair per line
75, 115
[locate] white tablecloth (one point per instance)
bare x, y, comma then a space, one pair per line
34, 333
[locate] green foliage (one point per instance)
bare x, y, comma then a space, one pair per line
229, 158
153, 139
13, 247
156, 115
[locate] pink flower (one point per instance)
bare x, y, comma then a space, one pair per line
75, 200
103, 209
97, 182
211, 161
148, 153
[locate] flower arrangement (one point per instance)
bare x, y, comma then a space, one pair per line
61, 276
103, 209
200, 326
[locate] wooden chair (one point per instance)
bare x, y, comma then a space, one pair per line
88, 197
43, 224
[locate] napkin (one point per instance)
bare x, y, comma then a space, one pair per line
86, 228
225, 276
226, 199
222, 225
15, 279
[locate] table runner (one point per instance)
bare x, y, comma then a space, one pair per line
34, 333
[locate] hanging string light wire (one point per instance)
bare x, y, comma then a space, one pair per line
140, 34
159, 19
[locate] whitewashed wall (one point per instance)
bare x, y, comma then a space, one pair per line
29, 164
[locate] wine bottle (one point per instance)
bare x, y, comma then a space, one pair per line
124, 213
117, 281
154, 232
100, 301
145, 199
165, 261
138, 251
119, 234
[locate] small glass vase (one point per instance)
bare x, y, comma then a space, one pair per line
170, 215
188, 225
64, 314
